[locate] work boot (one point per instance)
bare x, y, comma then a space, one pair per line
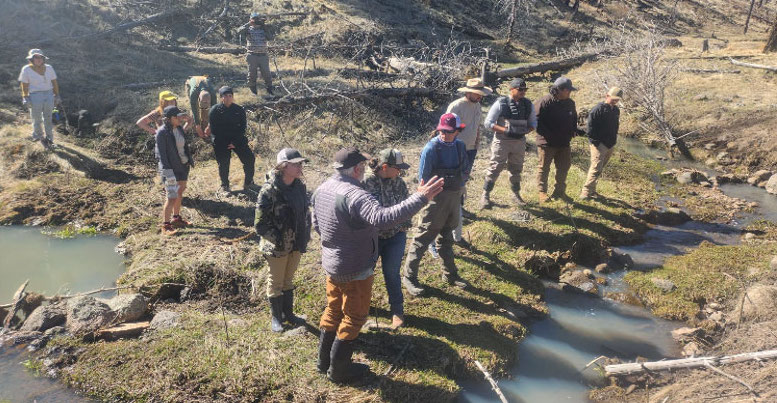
543, 197
288, 309
517, 196
325, 341
276, 310
252, 87
561, 196
224, 190
341, 368
412, 286
455, 280
485, 200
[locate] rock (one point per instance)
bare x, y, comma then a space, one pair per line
715, 306
686, 333
54, 331
761, 303
685, 177
601, 281
771, 185
666, 216
749, 236
762, 184
45, 317
579, 280
773, 264
623, 297
760, 176
722, 155
604, 268
717, 317
710, 162
620, 261
710, 146
25, 337
87, 314
705, 184
128, 307
691, 350
663, 284
700, 97
165, 320
727, 178
670, 173
588, 273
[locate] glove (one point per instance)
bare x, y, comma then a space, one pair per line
57, 100
26, 101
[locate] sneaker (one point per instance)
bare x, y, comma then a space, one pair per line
168, 229
455, 280
179, 222
433, 250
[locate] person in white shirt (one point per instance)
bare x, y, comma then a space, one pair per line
40, 93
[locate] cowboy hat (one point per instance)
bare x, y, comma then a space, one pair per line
35, 52
476, 86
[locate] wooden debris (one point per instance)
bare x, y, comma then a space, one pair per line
353, 95
204, 49
123, 331
697, 362
711, 71
491, 380
18, 297
752, 65
545, 66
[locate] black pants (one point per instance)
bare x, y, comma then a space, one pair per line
223, 155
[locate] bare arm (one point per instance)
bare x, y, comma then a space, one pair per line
145, 123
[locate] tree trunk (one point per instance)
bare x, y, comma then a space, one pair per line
511, 21
749, 13
771, 44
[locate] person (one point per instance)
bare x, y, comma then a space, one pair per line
556, 125
444, 156
603, 122
283, 221
175, 160
152, 121
468, 109
40, 93
256, 51
348, 218
386, 185
201, 97
227, 123
511, 118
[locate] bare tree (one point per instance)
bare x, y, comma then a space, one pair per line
771, 43
513, 9
749, 14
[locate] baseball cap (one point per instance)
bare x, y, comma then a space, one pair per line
517, 83
615, 92
225, 90
289, 155
349, 157
393, 157
450, 122
255, 15
172, 110
167, 96
564, 83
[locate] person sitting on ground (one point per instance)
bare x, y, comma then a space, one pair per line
446, 157
228, 125
556, 125
152, 121
385, 184
175, 160
603, 122
40, 93
283, 221
256, 51
348, 219
201, 97
511, 118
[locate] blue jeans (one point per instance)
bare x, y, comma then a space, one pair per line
471, 154
391, 251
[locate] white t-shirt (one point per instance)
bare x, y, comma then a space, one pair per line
470, 114
36, 81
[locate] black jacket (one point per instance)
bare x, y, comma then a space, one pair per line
167, 152
556, 121
603, 122
227, 123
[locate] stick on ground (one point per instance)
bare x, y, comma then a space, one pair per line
491, 380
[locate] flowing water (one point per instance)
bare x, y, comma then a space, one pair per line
52, 265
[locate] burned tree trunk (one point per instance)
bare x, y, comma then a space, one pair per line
511, 20
749, 14
771, 44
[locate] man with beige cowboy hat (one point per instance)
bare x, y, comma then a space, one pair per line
468, 109
603, 122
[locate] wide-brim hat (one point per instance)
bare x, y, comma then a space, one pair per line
36, 52
476, 86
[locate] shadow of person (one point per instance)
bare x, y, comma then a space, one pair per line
217, 208
91, 167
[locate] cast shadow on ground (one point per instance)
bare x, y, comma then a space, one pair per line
217, 208
92, 168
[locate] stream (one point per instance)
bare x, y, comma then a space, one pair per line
53, 266
552, 358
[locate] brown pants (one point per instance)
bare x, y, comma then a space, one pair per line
261, 62
347, 307
506, 153
281, 276
562, 159
599, 157
439, 217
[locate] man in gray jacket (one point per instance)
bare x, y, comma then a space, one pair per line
348, 219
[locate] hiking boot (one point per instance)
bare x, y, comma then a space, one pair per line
412, 286
341, 368
224, 190
543, 197
455, 280
252, 87
179, 222
288, 309
463, 243
168, 229
518, 199
561, 196
485, 201
325, 341
276, 310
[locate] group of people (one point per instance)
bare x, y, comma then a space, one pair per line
363, 211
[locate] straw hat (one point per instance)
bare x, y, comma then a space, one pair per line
476, 86
35, 52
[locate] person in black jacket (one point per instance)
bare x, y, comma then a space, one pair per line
175, 160
603, 121
228, 126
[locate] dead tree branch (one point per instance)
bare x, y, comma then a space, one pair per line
491, 380
697, 362
753, 65
546, 66
18, 297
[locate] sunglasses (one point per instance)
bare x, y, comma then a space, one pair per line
449, 131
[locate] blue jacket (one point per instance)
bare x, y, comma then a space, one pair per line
438, 154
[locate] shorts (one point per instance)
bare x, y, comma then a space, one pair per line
171, 184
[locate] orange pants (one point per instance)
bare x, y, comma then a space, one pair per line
347, 307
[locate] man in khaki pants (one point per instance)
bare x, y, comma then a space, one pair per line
603, 121
256, 52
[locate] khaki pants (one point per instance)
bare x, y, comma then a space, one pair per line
561, 157
347, 307
599, 157
510, 154
281, 277
439, 217
261, 62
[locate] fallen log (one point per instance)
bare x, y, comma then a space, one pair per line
752, 65
711, 71
697, 362
353, 95
545, 66
204, 49
18, 297
123, 331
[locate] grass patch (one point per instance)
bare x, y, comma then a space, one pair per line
71, 231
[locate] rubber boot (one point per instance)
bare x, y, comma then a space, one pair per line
325, 341
485, 200
341, 368
276, 310
288, 309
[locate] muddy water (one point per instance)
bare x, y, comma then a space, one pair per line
51, 265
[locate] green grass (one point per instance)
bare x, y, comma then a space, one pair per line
71, 231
